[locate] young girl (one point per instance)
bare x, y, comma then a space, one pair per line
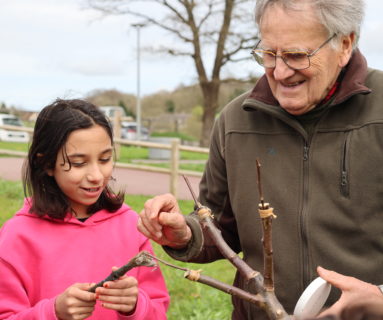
73, 229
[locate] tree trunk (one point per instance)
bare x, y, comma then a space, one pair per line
210, 91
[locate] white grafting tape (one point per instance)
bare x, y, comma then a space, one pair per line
312, 299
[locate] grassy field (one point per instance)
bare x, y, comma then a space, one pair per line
189, 300
128, 154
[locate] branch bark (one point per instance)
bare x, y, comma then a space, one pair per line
141, 259
195, 275
271, 306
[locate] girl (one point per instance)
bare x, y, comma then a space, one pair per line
73, 229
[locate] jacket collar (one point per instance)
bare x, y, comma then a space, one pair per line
352, 83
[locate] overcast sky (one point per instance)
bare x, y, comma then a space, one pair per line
53, 48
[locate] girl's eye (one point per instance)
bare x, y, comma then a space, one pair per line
105, 160
77, 164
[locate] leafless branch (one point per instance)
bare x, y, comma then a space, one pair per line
195, 275
263, 287
141, 259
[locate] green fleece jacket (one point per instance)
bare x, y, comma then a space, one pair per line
327, 189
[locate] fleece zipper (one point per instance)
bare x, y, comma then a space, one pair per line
303, 216
344, 180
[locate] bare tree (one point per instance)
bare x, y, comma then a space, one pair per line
206, 28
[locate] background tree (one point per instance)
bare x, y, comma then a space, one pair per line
170, 106
209, 30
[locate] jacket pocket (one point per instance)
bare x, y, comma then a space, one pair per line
345, 166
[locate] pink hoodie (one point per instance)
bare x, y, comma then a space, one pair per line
41, 257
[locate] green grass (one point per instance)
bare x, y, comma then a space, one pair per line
15, 146
189, 300
130, 153
178, 135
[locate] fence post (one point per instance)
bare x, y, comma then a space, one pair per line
117, 132
174, 166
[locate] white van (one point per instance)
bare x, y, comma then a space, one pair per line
10, 135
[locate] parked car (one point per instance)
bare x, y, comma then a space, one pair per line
10, 135
129, 131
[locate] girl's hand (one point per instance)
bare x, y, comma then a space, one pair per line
75, 303
120, 295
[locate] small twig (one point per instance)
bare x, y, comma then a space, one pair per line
195, 275
197, 203
259, 183
141, 259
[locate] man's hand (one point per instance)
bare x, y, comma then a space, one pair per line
162, 221
369, 309
357, 296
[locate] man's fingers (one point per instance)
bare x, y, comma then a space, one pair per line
336, 279
150, 223
166, 202
172, 220
333, 310
148, 229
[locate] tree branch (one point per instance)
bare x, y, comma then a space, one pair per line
271, 305
141, 259
267, 216
195, 275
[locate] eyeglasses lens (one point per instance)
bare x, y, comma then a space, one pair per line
295, 60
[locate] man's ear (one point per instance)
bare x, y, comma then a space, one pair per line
346, 47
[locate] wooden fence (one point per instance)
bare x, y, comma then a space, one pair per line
174, 146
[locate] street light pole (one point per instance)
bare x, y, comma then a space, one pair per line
138, 27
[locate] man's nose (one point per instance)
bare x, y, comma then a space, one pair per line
282, 70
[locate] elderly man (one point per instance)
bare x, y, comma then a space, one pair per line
315, 121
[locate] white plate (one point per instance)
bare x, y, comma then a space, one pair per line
312, 299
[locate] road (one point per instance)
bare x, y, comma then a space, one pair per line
135, 182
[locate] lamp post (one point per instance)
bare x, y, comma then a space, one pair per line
138, 27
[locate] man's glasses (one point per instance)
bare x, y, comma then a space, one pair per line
297, 60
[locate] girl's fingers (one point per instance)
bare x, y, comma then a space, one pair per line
119, 300
120, 295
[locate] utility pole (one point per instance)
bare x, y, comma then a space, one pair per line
138, 27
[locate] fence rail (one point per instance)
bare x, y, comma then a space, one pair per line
174, 146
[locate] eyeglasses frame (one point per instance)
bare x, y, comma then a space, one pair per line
309, 55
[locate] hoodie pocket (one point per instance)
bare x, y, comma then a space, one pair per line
345, 166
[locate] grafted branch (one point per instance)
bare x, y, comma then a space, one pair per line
267, 215
265, 289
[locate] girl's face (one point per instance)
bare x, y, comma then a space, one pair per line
82, 180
